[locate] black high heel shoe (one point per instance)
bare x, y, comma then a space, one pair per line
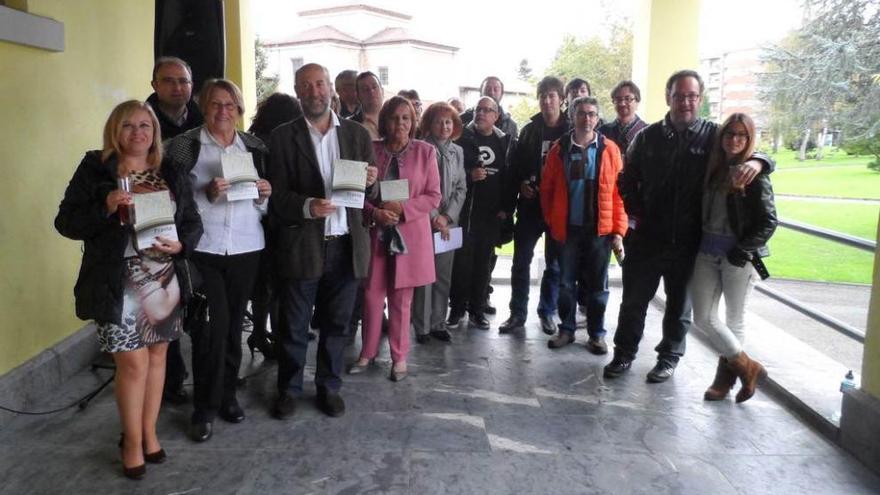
262, 343
135, 472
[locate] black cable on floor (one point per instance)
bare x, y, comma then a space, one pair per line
81, 403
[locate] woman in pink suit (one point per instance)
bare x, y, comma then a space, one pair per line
401, 242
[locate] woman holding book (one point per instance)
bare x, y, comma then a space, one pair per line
402, 250
216, 156
130, 290
738, 220
441, 125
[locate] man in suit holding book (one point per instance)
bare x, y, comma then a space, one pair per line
322, 249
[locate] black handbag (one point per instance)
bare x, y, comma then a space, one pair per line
192, 300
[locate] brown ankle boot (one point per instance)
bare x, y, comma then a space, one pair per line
750, 372
725, 379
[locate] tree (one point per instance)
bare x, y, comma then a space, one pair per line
824, 75
266, 85
524, 72
603, 63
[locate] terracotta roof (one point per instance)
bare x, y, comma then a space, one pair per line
355, 7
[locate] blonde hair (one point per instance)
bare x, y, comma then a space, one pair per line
113, 128
212, 85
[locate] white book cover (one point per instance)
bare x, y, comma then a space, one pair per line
349, 183
154, 216
239, 170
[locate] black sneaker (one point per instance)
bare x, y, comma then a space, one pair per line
231, 412
548, 326
454, 319
423, 338
284, 406
330, 404
489, 309
479, 321
512, 323
617, 367
661, 371
441, 335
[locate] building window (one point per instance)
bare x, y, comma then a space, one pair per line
296, 63
383, 76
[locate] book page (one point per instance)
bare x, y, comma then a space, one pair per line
394, 190
454, 242
154, 216
238, 167
349, 183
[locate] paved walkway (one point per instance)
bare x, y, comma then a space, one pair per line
488, 414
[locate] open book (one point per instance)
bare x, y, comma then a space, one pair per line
239, 170
349, 183
154, 216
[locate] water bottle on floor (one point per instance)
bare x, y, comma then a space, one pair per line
848, 383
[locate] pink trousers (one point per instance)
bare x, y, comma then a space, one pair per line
379, 287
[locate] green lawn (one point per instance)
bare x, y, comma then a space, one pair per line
842, 182
834, 157
855, 219
799, 256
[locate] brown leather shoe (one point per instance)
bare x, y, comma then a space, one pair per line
724, 380
750, 373
561, 339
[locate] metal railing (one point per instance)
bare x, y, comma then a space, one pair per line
826, 319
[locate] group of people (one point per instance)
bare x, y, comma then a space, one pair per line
682, 200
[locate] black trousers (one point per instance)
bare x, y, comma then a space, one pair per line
646, 264
216, 351
175, 367
472, 268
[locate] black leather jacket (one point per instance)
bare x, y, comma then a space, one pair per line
752, 216
662, 184
82, 216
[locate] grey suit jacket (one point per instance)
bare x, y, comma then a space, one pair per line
295, 176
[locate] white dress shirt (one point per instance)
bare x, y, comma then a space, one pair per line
231, 227
327, 151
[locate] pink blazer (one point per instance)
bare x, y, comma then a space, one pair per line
418, 164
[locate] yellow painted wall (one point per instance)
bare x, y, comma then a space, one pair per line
871, 359
240, 53
665, 37
54, 106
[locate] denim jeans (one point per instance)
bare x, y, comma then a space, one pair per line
584, 261
332, 297
714, 276
525, 236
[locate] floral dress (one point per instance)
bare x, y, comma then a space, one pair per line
151, 311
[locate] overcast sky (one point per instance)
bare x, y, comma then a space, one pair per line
494, 40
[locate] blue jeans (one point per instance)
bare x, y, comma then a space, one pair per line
525, 237
332, 297
584, 260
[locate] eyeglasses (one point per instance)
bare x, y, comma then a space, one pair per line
485, 110
736, 135
623, 99
590, 115
216, 105
690, 98
171, 81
